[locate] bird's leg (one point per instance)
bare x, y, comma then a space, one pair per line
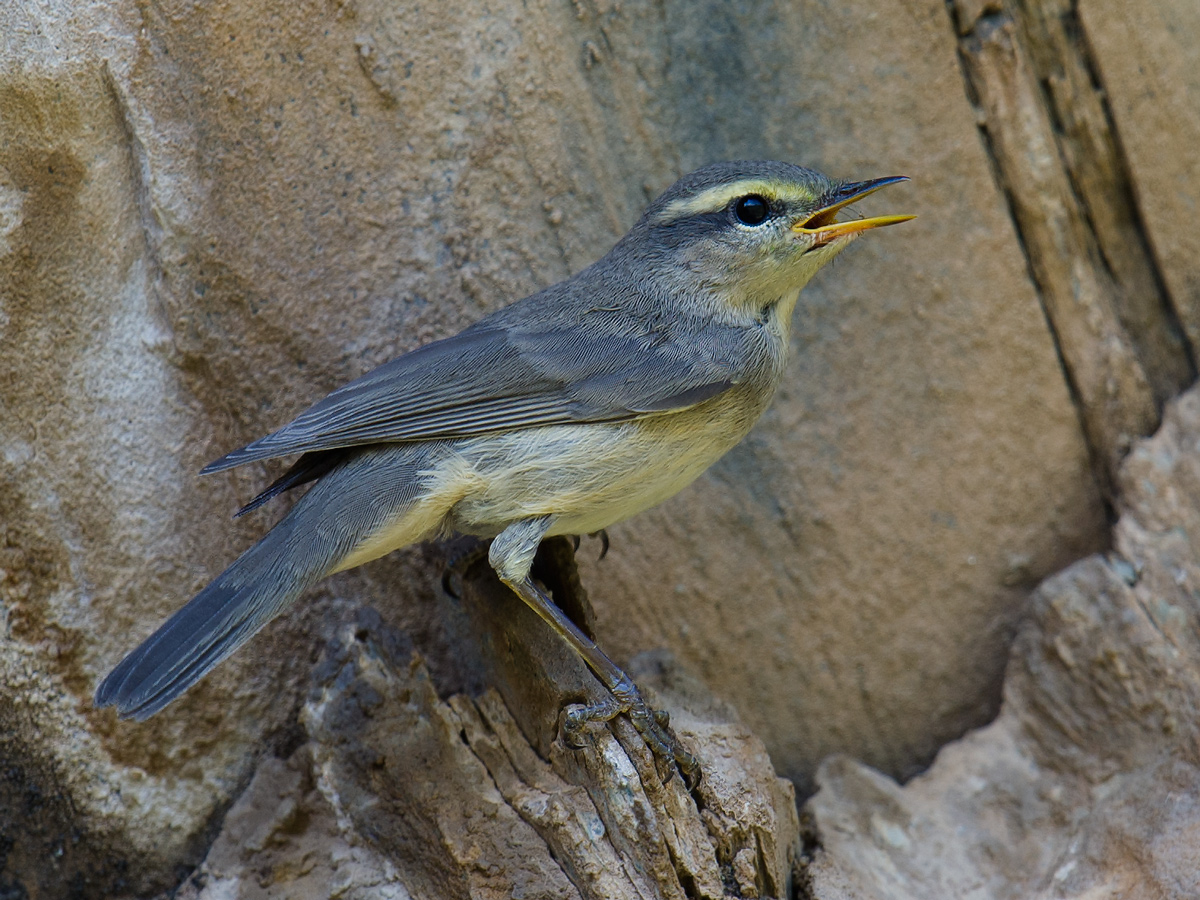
511, 555
653, 725
555, 571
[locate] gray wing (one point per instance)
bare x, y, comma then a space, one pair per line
497, 376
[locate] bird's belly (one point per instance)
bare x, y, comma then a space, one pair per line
588, 476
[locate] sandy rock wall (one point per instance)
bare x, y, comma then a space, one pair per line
211, 214
1086, 784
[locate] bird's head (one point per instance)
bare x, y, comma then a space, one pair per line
750, 234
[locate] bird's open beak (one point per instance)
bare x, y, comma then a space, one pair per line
823, 225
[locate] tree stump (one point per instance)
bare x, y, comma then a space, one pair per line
399, 792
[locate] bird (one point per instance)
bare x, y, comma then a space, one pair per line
563, 413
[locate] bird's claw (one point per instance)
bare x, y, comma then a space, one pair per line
654, 726
602, 534
457, 565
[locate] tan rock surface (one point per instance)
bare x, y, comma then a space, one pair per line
1096, 309
210, 214
818, 538
1113, 309
1088, 784
1148, 59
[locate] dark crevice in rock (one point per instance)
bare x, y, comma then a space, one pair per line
810, 846
39, 820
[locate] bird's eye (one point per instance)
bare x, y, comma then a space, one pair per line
751, 210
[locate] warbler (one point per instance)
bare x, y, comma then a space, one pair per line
562, 413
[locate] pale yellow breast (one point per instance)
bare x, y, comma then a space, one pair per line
587, 477
592, 476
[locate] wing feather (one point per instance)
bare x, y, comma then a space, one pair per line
499, 375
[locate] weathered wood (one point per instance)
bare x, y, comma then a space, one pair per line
478, 797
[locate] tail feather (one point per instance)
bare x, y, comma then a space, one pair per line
309, 467
350, 503
213, 624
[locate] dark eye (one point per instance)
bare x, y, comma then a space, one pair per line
752, 210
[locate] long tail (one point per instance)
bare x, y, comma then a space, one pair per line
339, 512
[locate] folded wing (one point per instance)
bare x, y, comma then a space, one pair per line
498, 376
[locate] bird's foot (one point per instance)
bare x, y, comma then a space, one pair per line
654, 725
602, 534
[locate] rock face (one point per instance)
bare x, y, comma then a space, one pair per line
1088, 784
212, 214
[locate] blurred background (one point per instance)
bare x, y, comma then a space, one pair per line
212, 214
